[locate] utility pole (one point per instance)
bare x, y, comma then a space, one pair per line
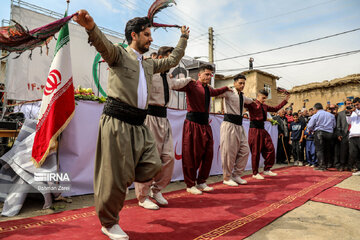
211, 45
211, 60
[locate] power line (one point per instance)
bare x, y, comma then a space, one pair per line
227, 42
298, 62
223, 29
314, 61
291, 45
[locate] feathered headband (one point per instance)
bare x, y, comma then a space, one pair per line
155, 8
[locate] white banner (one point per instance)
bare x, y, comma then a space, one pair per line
78, 145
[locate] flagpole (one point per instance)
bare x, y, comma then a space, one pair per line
67, 7
59, 137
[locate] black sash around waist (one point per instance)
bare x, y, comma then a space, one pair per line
257, 124
198, 117
157, 111
124, 112
235, 119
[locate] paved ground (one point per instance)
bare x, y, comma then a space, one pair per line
312, 220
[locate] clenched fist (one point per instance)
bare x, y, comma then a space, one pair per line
84, 19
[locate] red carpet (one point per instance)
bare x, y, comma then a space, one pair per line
227, 213
340, 197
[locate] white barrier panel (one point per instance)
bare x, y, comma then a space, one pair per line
78, 145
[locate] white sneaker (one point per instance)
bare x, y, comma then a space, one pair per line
269, 173
258, 176
356, 173
148, 204
301, 164
194, 190
115, 232
239, 180
296, 163
205, 188
230, 183
159, 198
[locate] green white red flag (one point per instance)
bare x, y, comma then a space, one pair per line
58, 103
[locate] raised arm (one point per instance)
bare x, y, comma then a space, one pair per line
224, 95
178, 83
164, 64
186, 87
278, 107
109, 52
218, 91
248, 100
249, 105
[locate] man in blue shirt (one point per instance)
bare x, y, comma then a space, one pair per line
323, 124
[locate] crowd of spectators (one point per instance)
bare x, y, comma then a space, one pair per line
320, 137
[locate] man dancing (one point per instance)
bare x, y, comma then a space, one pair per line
259, 139
233, 139
197, 139
160, 127
126, 150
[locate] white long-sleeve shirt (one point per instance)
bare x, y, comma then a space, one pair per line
354, 120
142, 88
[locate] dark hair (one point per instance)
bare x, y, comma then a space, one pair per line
295, 114
163, 51
356, 100
318, 106
207, 66
239, 76
136, 25
264, 92
153, 54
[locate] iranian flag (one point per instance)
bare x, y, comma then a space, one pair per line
58, 103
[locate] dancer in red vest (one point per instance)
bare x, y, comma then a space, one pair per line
197, 141
259, 139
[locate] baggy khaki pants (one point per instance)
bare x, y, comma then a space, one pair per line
161, 130
234, 149
125, 153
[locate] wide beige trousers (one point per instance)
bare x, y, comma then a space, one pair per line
161, 130
234, 149
125, 153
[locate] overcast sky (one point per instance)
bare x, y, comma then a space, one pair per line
242, 27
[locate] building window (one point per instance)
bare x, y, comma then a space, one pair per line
267, 88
